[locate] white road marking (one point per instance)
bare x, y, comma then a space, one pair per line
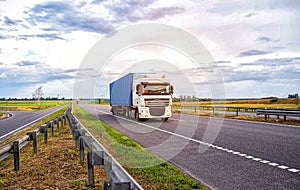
293, 170
273, 164
7, 134
265, 161
256, 159
283, 167
214, 146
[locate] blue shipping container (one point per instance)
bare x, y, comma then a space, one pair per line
120, 91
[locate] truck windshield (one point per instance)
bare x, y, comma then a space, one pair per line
156, 89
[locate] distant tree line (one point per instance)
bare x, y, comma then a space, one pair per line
32, 99
293, 95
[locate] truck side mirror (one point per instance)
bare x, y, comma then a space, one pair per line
172, 89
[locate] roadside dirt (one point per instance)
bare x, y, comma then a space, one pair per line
55, 166
4, 116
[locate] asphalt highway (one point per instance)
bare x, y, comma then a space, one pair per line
223, 154
21, 119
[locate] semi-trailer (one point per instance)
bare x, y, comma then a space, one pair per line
141, 96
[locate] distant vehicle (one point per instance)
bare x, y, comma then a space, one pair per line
141, 96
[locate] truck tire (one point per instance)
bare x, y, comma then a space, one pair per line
165, 119
112, 111
136, 115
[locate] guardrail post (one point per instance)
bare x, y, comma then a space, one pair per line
46, 134
16, 152
107, 165
76, 136
57, 123
35, 142
81, 148
33, 137
50, 125
44, 129
65, 119
84, 141
62, 121
90, 166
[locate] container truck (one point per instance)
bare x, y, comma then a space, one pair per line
141, 96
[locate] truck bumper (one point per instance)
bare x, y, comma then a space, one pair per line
155, 112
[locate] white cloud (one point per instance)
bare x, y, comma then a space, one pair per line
60, 33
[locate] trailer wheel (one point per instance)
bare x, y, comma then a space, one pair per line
113, 111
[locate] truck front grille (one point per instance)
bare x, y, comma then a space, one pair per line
157, 102
157, 111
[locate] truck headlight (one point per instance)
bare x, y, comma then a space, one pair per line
145, 110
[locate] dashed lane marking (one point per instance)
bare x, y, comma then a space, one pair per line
265, 161
293, 170
273, 164
283, 167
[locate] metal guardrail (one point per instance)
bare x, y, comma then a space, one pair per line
117, 178
217, 108
279, 112
15, 146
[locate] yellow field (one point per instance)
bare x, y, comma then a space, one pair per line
262, 103
31, 105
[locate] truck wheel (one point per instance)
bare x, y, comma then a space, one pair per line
165, 119
136, 115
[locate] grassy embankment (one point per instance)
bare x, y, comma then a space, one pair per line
33, 105
55, 166
158, 175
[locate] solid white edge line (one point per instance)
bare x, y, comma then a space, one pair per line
23, 126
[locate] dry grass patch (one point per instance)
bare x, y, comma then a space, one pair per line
55, 166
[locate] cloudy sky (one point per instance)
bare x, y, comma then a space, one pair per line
255, 44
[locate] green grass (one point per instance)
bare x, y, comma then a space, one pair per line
1, 114
34, 126
32, 103
150, 171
